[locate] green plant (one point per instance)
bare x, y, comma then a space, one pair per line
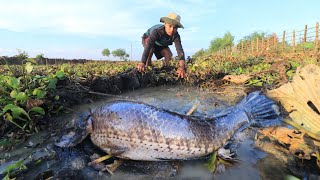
19, 165
22, 54
23, 96
306, 45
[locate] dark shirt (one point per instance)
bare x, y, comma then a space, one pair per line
157, 36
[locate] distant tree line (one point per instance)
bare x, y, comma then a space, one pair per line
121, 53
43, 61
22, 56
226, 41
39, 59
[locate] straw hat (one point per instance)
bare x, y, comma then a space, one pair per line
173, 19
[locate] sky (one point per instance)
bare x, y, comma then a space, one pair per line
81, 29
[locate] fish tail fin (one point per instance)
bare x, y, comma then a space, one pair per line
261, 110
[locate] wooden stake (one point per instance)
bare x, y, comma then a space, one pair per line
257, 50
283, 39
294, 41
262, 44
317, 37
274, 41
305, 33
252, 46
241, 48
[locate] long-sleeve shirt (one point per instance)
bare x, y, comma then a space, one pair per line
157, 36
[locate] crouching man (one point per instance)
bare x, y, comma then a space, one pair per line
157, 39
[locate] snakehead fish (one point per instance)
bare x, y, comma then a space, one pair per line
138, 131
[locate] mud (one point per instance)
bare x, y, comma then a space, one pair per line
44, 160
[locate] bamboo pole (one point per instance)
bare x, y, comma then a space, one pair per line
294, 40
283, 39
305, 33
317, 37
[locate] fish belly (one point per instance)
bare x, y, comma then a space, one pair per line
136, 149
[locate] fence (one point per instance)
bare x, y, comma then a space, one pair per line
303, 40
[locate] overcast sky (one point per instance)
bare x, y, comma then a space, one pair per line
83, 28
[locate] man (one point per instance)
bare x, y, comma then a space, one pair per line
157, 39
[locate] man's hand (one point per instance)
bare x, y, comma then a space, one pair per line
181, 70
141, 67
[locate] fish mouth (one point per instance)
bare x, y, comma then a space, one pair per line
78, 133
67, 140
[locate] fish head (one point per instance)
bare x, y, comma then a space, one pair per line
81, 128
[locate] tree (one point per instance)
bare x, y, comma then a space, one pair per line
121, 53
106, 52
199, 53
254, 36
40, 56
221, 43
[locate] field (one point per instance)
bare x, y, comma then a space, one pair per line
31, 91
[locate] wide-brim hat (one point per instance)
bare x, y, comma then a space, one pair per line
173, 19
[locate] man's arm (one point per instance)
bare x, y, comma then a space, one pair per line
177, 43
148, 51
181, 70
149, 45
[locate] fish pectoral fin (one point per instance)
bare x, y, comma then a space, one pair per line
112, 151
116, 150
112, 167
100, 159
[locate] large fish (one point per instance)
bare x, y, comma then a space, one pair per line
138, 131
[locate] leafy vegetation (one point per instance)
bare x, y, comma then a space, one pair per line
29, 91
18, 166
23, 95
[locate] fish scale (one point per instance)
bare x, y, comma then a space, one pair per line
138, 131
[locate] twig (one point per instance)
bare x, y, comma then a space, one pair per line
109, 95
193, 108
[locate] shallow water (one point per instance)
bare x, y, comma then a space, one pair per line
44, 160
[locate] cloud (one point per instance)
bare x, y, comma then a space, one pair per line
97, 23
93, 18
82, 17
